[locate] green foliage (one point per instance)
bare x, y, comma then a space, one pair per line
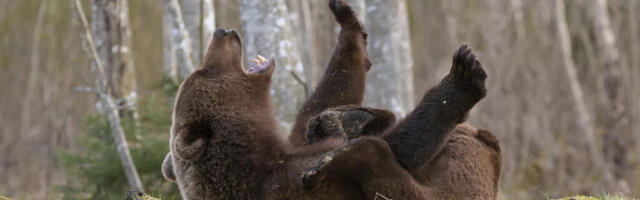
600, 197
95, 170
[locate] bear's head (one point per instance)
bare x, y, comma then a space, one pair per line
224, 62
221, 100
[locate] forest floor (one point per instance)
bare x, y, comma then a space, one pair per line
601, 197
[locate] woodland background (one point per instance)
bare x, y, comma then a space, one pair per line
563, 83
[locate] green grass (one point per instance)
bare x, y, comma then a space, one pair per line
599, 197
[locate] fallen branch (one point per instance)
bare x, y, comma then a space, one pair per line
301, 82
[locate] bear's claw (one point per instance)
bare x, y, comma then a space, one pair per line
467, 71
345, 15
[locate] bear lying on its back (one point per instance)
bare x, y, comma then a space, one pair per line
225, 144
224, 139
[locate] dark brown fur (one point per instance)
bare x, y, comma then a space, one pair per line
348, 122
441, 163
418, 138
344, 80
467, 167
225, 145
224, 140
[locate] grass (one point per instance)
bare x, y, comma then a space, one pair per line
599, 197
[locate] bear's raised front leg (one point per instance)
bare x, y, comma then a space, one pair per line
422, 134
344, 79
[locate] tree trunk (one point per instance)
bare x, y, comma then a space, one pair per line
104, 28
182, 42
518, 19
614, 138
199, 19
169, 60
325, 37
35, 67
268, 33
302, 29
191, 13
102, 22
187, 29
584, 115
389, 82
207, 25
129, 85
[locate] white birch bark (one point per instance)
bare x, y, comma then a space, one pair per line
35, 67
105, 95
103, 28
199, 19
208, 25
302, 28
390, 81
110, 25
182, 44
325, 35
268, 33
169, 60
518, 18
191, 13
615, 140
584, 116
128, 86
188, 27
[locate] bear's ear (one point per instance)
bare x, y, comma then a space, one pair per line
189, 142
167, 168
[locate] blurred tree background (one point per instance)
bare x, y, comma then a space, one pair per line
563, 83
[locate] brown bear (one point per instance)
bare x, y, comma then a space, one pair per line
460, 164
225, 145
224, 140
467, 167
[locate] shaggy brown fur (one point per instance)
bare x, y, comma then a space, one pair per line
224, 140
348, 122
344, 79
225, 145
422, 133
443, 164
467, 167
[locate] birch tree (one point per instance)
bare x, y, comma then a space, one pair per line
199, 20
518, 19
585, 124
102, 22
324, 37
389, 82
169, 60
187, 29
615, 148
35, 66
182, 44
268, 33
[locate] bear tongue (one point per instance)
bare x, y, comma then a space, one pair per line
259, 66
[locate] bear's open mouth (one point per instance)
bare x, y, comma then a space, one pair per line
262, 63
